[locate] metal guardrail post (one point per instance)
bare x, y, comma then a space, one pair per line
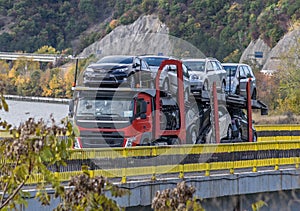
207, 171
254, 168
276, 167
181, 171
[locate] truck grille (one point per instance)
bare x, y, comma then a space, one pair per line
101, 140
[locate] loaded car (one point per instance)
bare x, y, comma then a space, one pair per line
168, 77
197, 122
225, 126
118, 70
237, 78
208, 70
240, 125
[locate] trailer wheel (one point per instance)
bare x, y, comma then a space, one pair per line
229, 133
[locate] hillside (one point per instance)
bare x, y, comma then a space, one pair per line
217, 28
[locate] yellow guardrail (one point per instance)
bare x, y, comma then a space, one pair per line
152, 171
277, 127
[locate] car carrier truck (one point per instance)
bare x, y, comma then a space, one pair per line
124, 117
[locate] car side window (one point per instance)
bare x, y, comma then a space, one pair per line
209, 66
248, 72
241, 72
185, 71
144, 65
215, 65
219, 66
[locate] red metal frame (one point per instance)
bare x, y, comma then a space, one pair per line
181, 132
249, 111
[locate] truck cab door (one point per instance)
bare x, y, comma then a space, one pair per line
143, 115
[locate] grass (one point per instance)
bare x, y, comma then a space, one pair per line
275, 119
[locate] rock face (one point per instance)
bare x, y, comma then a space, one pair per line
256, 46
272, 58
147, 35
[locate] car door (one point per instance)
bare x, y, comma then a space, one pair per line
249, 74
242, 80
211, 74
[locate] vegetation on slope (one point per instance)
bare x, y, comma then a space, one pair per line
217, 28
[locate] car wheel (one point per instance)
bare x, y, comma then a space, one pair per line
229, 133
237, 91
253, 97
131, 81
223, 87
239, 137
186, 96
254, 137
205, 86
166, 86
193, 136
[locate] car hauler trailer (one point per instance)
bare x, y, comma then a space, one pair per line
123, 117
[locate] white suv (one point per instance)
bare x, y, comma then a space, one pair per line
207, 70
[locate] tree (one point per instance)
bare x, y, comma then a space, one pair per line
180, 198
88, 194
289, 80
31, 148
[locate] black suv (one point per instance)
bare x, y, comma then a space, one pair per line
118, 70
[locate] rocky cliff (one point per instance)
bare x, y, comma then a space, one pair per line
147, 35
272, 58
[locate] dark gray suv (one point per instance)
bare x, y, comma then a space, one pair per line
116, 70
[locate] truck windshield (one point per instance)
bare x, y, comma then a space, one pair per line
105, 107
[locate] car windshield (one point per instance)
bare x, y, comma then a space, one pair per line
105, 107
116, 59
230, 70
195, 65
154, 61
